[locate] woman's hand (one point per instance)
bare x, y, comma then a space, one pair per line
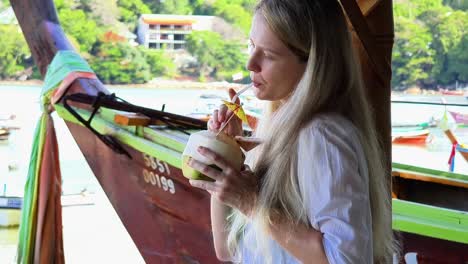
221, 115
237, 189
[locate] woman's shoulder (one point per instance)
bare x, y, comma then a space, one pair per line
334, 135
329, 123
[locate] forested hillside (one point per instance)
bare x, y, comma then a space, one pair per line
86, 23
430, 41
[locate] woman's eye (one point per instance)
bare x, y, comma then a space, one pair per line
250, 47
268, 56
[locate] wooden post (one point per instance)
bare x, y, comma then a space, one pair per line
454, 140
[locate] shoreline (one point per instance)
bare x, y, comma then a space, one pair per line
153, 84
169, 84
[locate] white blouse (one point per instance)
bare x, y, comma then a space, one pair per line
333, 179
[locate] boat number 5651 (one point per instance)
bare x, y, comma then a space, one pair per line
151, 162
154, 178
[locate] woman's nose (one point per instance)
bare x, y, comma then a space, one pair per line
252, 63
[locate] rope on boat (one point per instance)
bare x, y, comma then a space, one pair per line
40, 234
110, 101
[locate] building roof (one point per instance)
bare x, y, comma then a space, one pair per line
162, 19
165, 21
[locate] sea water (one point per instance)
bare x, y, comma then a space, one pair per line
23, 101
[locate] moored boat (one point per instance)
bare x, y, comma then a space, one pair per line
4, 134
10, 211
459, 118
452, 92
137, 157
410, 136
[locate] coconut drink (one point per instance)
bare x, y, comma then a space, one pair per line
222, 144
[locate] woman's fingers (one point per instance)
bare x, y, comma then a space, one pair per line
215, 116
205, 185
232, 93
222, 113
217, 159
205, 169
209, 125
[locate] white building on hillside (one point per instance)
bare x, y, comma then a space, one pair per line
170, 31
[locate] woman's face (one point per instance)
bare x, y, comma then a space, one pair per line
274, 69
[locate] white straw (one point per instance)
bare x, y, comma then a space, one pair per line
240, 92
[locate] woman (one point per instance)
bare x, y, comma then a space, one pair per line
317, 190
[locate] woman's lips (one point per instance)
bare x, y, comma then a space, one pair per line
256, 84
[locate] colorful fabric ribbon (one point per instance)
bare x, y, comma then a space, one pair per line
451, 160
40, 234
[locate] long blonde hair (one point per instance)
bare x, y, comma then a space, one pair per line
317, 33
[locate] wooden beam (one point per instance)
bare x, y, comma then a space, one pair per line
131, 119
360, 26
428, 178
367, 6
373, 37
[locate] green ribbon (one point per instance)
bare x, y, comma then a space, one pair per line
64, 63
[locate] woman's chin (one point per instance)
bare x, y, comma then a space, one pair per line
260, 94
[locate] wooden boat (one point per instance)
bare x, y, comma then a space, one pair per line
4, 134
452, 92
6, 126
431, 209
137, 157
10, 211
410, 135
459, 118
7, 117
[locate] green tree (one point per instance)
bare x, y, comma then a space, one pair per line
430, 43
77, 24
234, 13
4, 3
232, 60
159, 63
216, 57
13, 51
202, 7
448, 28
120, 63
457, 4
84, 30
204, 46
412, 54
131, 10
177, 7
457, 68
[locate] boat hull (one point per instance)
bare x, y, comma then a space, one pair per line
411, 135
429, 210
411, 140
433, 251
168, 220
